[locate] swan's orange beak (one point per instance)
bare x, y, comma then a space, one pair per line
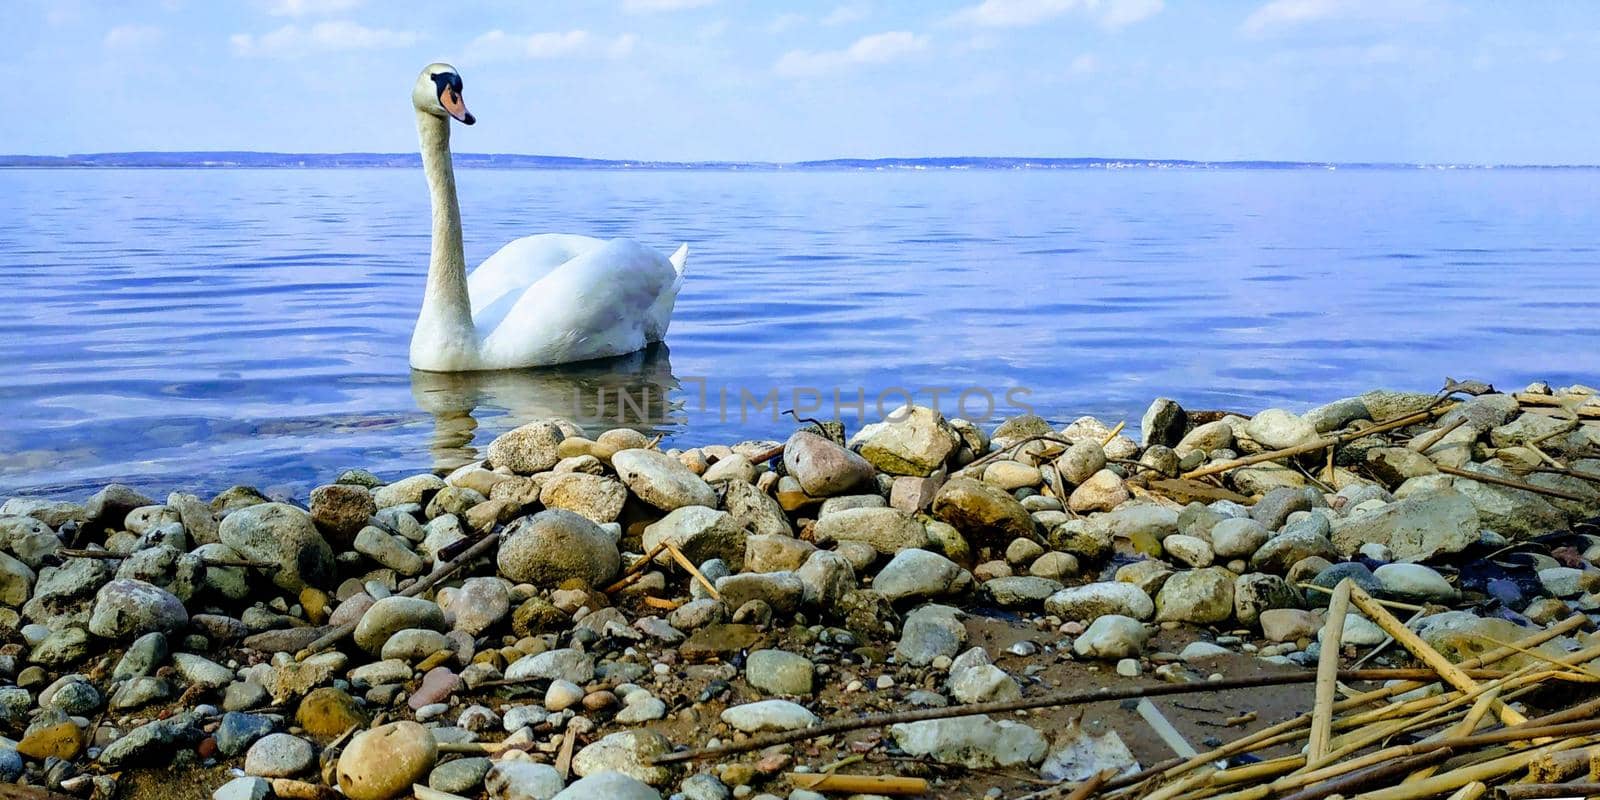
456, 106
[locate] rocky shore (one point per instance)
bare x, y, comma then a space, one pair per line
559, 620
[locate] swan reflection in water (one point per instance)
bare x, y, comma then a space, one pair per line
631, 391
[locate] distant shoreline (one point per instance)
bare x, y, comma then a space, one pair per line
254, 160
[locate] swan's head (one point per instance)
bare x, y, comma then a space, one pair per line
438, 92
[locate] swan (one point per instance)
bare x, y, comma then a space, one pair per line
538, 301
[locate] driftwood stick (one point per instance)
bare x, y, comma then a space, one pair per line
857, 784
1046, 701
1311, 447
1328, 675
1381, 774
470, 554
637, 568
1427, 440
1511, 484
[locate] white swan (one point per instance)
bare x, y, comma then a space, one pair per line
540, 300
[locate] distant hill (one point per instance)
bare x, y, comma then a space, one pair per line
254, 160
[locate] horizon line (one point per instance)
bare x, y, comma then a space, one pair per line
221, 159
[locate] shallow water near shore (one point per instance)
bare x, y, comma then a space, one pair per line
199, 328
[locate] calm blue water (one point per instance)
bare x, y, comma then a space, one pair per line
194, 329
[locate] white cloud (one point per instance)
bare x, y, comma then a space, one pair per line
499, 45
1022, 13
131, 36
844, 15
784, 22
647, 6
1348, 56
323, 37
303, 8
1282, 15
1084, 64
878, 48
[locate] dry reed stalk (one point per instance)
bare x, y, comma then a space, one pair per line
1482, 771
1427, 655
1471, 791
1467, 726
857, 784
1328, 673
1113, 433
1089, 787
1284, 731
1558, 767
683, 561
1377, 774
1540, 791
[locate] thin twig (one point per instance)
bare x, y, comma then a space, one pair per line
683, 561
470, 554
1512, 484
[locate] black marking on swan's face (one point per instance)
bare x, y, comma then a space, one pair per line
448, 90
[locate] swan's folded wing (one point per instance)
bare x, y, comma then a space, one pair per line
516, 266
598, 304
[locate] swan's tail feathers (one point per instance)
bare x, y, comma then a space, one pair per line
680, 258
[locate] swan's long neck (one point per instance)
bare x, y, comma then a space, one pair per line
444, 328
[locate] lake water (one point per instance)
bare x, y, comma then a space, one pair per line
191, 329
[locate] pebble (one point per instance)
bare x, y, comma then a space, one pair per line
279, 755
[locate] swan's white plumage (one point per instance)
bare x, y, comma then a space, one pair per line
558, 298
540, 300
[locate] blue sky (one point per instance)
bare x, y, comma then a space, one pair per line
1345, 80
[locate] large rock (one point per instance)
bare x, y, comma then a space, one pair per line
823, 468
1414, 529
929, 632
1275, 429
554, 546
1102, 491
595, 497
888, 530
393, 614
701, 533
1163, 423
1512, 512
1112, 636
1081, 603
755, 510
916, 574
527, 449
984, 513
628, 752
769, 715
1201, 596
126, 609
912, 440
276, 533
661, 480
384, 762
976, 741
608, 785
340, 510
